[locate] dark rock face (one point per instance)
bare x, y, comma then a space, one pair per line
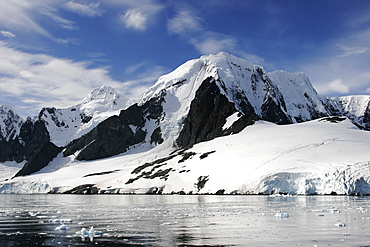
111, 137
366, 119
32, 136
272, 112
45, 153
117, 133
207, 115
86, 189
156, 136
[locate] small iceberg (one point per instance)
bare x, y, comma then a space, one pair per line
55, 221
282, 215
340, 224
33, 214
91, 233
62, 228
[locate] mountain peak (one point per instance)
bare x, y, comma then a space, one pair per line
104, 98
102, 94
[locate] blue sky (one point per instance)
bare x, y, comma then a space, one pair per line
54, 52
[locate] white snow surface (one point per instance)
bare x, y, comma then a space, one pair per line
67, 124
318, 156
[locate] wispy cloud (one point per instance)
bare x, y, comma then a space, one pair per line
341, 71
7, 34
89, 9
20, 15
139, 14
33, 79
183, 23
211, 42
52, 13
350, 51
189, 26
135, 19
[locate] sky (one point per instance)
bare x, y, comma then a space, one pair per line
54, 52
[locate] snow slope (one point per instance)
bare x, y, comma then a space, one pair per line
355, 107
67, 124
300, 97
321, 156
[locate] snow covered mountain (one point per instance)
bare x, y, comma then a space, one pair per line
21, 140
356, 108
162, 142
65, 125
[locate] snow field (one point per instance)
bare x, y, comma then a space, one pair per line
307, 158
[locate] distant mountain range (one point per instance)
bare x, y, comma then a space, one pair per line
206, 102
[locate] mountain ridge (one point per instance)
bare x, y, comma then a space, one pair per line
202, 100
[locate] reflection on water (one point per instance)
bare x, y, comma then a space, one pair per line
173, 220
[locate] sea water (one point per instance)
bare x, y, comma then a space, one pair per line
191, 220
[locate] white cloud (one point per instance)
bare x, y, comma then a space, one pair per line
29, 82
342, 66
41, 80
212, 43
188, 25
7, 34
89, 10
135, 19
20, 15
183, 23
338, 86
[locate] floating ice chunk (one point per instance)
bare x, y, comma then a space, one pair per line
169, 223
61, 221
318, 210
83, 232
210, 223
346, 234
321, 215
94, 232
33, 213
335, 211
42, 216
91, 233
282, 215
340, 224
62, 228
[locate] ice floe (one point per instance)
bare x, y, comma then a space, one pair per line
282, 215
91, 233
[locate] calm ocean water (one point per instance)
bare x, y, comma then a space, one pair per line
173, 220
